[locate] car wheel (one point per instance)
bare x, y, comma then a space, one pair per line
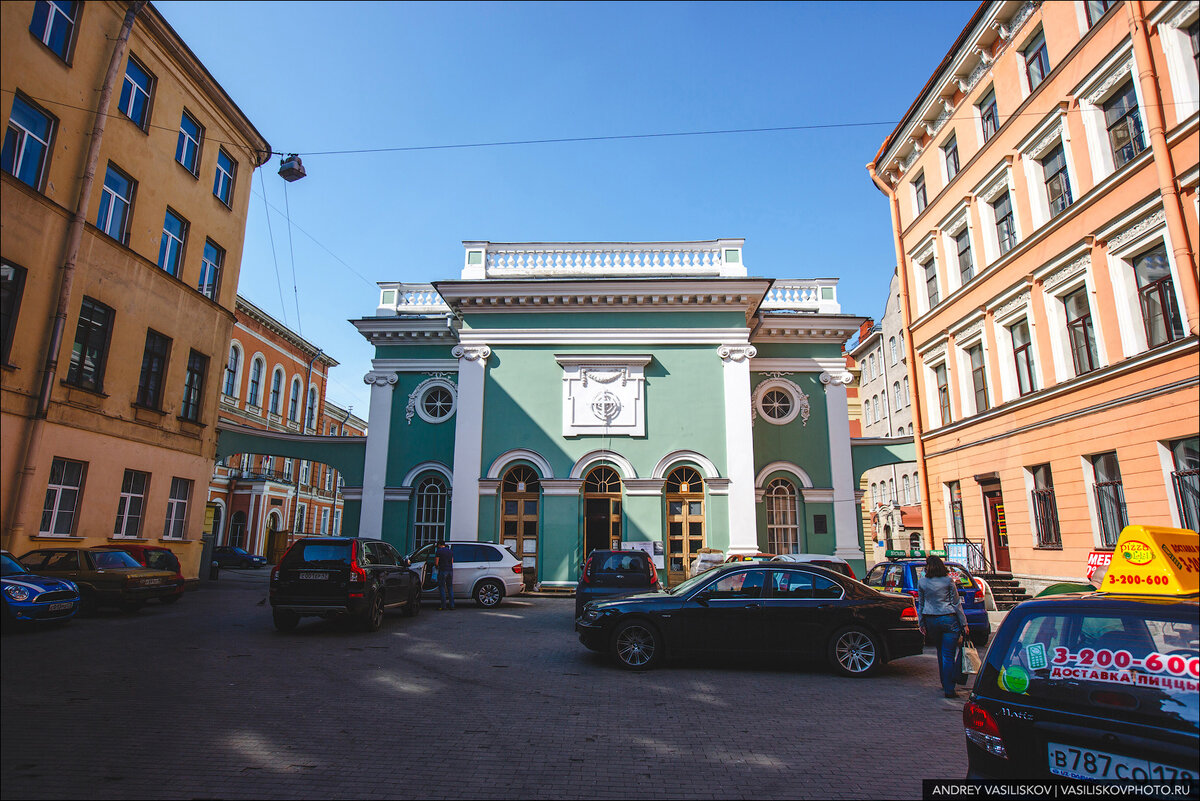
285, 620
413, 607
636, 645
374, 618
166, 600
854, 651
489, 593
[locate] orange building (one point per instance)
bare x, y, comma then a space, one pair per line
1043, 193
275, 380
118, 289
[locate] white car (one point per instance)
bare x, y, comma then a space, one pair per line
484, 571
834, 563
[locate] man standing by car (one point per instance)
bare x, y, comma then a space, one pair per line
444, 562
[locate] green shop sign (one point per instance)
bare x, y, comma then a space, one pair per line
914, 553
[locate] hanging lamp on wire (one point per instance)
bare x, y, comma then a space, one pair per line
291, 168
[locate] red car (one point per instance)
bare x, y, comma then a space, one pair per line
159, 558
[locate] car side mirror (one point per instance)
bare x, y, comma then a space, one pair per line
701, 597
406, 562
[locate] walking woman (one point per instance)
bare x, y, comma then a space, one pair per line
940, 612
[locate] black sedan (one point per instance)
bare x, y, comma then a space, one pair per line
757, 609
230, 556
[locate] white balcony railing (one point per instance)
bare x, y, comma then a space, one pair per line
718, 257
808, 295
398, 298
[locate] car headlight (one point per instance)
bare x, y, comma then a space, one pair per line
16, 593
591, 614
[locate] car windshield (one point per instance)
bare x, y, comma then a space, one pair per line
319, 554
1138, 666
11, 567
960, 576
107, 560
162, 560
690, 584
237, 551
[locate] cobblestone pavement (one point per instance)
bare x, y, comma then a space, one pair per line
204, 699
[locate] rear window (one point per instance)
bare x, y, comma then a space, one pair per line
1134, 666
109, 560
959, 575
620, 563
162, 560
319, 554
836, 567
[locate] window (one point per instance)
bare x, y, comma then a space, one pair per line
135, 93
931, 282
1080, 332
276, 391
1110, 498
62, 497
304, 468
867, 412
966, 266
1058, 183
90, 351
950, 157
170, 249
210, 270
116, 200
193, 386
231, 371
187, 149
1185, 455
1156, 294
325, 521
311, 418
328, 479
437, 402
875, 403
1193, 33
287, 469
978, 378
958, 525
907, 397
223, 183
891, 490
783, 520
1037, 62
12, 288
915, 481
175, 526
53, 24
892, 349
920, 196
871, 365
896, 396
1097, 9
429, 523
943, 387
906, 484
1045, 509
874, 494
989, 117
1124, 124
253, 393
154, 368
294, 402
301, 518
131, 503
27, 142
1006, 231
1023, 356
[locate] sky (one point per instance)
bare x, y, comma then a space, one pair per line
320, 77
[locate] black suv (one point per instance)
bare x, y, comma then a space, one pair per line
349, 577
607, 574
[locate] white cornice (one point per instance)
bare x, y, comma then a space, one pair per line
416, 365
388, 330
808, 327
574, 359
605, 336
803, 365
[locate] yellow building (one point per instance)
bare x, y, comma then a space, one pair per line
109, 435
1044, 203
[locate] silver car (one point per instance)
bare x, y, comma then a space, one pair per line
482, 570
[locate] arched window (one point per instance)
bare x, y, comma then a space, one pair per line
429, 524
875, 404
276, 390
685, 521
783, 518
602, 510
294, 402
311, 420
892, 490
916, 489
907, 399
231, 371
871, 365
253, 396
519, 498
867, 412
874, 494
892, 348
237, 530
906, 488
896, 395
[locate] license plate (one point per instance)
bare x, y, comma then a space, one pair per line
1087, 763
314, 576
61, 607
152, 582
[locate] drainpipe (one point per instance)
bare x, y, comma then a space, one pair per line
33, 439
909, 350
1163, 166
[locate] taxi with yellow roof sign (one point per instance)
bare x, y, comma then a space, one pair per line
1098, 686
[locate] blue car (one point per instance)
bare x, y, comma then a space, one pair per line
35, 599
901, 575
230, 556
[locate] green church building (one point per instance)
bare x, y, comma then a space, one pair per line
563, 397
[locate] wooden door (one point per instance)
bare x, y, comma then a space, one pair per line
685, 522
997, 531
519, 520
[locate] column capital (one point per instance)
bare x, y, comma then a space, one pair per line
832, 378
736, 353
381, 378
472, 353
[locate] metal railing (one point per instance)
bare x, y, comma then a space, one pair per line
1187, 497
969, 553
1110, 502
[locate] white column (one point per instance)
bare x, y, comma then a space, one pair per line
379, 425
739, 447
468, 441
841, 467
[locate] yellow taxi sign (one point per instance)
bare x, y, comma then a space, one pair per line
1155, 560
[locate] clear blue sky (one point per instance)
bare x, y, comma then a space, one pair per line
320, 76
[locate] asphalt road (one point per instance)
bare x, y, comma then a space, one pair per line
204, 699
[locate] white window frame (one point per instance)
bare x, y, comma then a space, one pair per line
325, 521
423, 392
918, 258
237, 373
125, 502
305, 468
175, 524
790, 532
937, 356
53, 13
942, 151
966, 384
988, 192
1076, 269
954, 224
24, 135
135, 90
114, 199
213, 268
1011, 310
224, 179
1093, 94
1181, 69
287, 469
58, 490
1052, 132
193, 141
1140, 235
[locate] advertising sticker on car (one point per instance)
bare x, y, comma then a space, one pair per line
1122, 667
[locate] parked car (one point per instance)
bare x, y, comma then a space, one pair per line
231, 556
902, 575
608, 573
159, 558
1097, 685
106, 576
29, 598
834, 563
482, 570
749, 557
758, 608
342, 577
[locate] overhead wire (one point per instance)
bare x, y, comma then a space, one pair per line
292, 250
274, 255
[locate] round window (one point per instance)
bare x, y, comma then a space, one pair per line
436, 402
776, 404
780, 401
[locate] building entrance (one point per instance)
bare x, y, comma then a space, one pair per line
997, 530
601, 510
519, 496
685, 522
